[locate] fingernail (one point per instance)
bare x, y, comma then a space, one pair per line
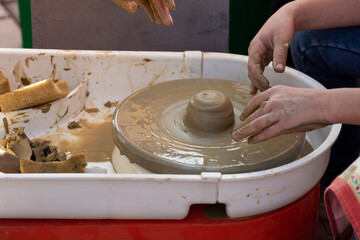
238, 134
171, 19
286, 46
237, 137
279, 67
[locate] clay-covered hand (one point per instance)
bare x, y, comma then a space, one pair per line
157, 10
281, 110
271, 43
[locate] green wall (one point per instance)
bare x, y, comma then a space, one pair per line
246, 18
25, 21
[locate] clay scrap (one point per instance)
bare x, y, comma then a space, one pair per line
30, 96
75, 164
20, 154
4, 84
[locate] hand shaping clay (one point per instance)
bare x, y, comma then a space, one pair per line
184, 126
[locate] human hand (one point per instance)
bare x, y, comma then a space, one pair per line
157, 10
271, 43
282, 110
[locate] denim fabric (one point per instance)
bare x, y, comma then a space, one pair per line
332, 57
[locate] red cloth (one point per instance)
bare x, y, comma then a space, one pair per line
342, 200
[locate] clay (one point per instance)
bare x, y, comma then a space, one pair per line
92, 139
75, 164
19, 153
109, 104
91, 110
209, 111
9, 163
44, 107
4, 84
73, 125
151, 129
25, 81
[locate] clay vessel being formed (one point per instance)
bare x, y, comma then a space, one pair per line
209, 111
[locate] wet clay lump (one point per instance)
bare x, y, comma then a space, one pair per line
209, 111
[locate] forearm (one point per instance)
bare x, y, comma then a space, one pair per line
343, 105
321, 14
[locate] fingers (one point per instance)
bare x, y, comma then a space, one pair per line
276, 130
253, 105
253, 89
279, 57
157, 10
130, 6
287, 110
272, 131
265, 61
148, 10
260, 124
156, 14
170, 4
256, 70
161, 12
252, 117
238, 132
264, 82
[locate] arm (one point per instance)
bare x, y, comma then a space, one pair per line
289, 109
343, 106
320, 14
272, 41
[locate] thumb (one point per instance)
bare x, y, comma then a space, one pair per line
279, 57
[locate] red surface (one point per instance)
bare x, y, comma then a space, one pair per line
297, 221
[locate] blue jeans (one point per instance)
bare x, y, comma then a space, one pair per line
332, 57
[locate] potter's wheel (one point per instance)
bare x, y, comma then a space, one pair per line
153, 129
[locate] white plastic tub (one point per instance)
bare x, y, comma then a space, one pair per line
98, 77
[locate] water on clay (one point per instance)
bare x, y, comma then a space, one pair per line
93, 139
150, 124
